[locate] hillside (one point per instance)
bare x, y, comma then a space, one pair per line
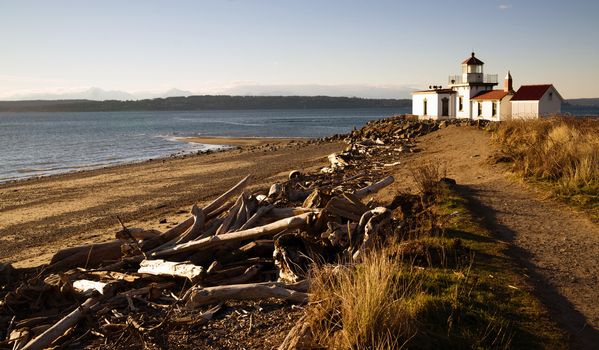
205, 102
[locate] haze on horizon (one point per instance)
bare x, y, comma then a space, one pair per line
143, 49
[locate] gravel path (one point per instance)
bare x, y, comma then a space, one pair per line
558, 247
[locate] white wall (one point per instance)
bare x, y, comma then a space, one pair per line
467, 92
525, 109
432, 104
550, 103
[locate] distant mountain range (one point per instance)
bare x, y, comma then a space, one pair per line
204, 102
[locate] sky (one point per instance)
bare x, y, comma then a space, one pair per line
365, 48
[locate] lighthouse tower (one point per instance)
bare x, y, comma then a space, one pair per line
470, 83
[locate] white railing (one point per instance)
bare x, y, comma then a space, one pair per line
459, 79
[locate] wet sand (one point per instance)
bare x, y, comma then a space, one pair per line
40, 216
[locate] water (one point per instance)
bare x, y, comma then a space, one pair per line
34, 144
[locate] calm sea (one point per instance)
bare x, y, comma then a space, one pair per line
34, 144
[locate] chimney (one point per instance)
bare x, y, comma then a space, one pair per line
508, 85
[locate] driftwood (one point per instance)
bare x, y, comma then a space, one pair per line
199, 219
89, 287
246, 275
227, 238
20, 337
296, 335
173, 269
282, 213
210, 295
224, 227
374, 187
337, 162
86, 255
45, 339
370, 223
221, 200
254, 218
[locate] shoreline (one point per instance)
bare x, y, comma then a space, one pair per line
227, 144
42, 214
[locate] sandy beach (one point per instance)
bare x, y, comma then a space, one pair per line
39, 216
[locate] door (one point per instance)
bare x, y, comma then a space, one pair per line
444, 107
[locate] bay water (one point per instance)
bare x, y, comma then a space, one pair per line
46, 143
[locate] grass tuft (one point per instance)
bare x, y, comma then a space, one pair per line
560, 152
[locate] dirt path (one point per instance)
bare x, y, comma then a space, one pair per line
558, 248
38, 217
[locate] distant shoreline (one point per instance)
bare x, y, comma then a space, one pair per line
202, 103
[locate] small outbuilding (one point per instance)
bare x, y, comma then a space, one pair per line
534, 101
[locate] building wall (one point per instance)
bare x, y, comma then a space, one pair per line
525, 109
550, 103
432, 104
467, 92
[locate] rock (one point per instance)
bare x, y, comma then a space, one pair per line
162, 221
448, 181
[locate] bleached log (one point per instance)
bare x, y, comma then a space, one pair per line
199, 219
336, 161
275, 191
246, 275
222, 199
257, 215
227, 238
252, 291
343, 207
173, 269
44, 340
20, 337
374, 187
370, 224
86, 255
294, 338
242, 214
88, 287
281, 213
224, 227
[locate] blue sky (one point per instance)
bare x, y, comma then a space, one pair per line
364, 48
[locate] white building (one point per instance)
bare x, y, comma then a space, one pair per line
470, 95
532, 101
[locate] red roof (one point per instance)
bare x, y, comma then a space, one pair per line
491, 95
531, 92
473, 61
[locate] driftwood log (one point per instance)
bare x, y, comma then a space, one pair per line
233, 237
363, 192
45, 339
211, 295
173, 269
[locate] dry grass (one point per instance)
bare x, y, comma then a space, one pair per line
562, 151
366, 306
424, 289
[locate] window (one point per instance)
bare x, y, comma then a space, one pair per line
425, 107
480, 109
461, 104
494, 112
550, 96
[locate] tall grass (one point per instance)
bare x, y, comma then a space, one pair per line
366, 306
562, 151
